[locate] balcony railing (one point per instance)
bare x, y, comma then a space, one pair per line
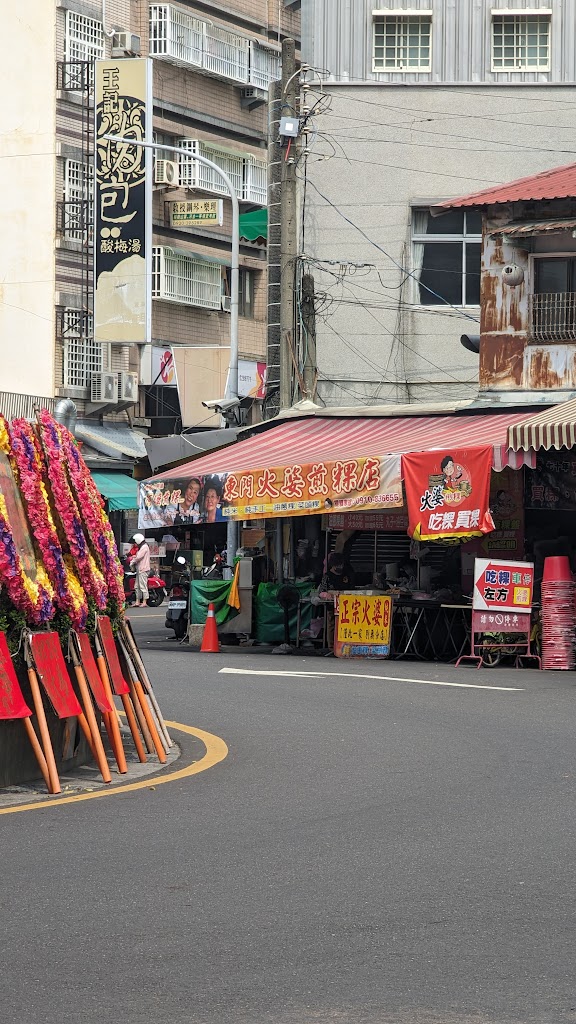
553, 316
74, 218
184, 39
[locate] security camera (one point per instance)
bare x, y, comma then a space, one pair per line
222, 404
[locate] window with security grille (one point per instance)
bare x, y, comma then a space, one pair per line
181, 277
84, 37
78, 199
402, 42
82, 355
520, 42
446, 254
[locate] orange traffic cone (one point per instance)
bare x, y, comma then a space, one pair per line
210, 644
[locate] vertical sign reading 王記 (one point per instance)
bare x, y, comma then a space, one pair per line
122, 200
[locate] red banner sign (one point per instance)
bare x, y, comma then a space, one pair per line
447, 493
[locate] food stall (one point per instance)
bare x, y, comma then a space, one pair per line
432, 504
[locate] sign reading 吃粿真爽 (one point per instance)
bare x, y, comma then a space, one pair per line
364, 619
122, 201
447, 493
502, 586
196, 212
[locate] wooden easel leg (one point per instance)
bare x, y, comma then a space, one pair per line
35, 743
141, 720
150, 723
96, 744
54, 781
111, 720
145, 679
133, 727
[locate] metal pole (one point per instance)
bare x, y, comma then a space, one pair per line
232, 381
289, 231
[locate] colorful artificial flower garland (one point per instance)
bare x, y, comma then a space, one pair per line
35, 598
26, 453
55, 456
89, 500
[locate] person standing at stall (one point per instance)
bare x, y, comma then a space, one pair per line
141, 562
339, 576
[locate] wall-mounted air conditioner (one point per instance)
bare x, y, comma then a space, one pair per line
226, 303
104, 388
128, 387
125, 44
166, 172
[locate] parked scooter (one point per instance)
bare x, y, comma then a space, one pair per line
156, 589
178, 604
216, 570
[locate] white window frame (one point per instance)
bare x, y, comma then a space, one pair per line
518, 22
404, 20
84, 37
83, 356
421, 238
185, 278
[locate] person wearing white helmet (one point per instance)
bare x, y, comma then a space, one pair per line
141, 562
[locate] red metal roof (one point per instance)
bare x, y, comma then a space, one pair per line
558, 183
329, 440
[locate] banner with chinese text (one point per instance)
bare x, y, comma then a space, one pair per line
355, 484
447, 494
122, 199
361, 484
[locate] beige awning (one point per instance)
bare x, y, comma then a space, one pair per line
552, 428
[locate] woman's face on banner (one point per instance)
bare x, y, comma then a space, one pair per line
211, 500
192, 492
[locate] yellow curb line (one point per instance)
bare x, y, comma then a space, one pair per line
216, 750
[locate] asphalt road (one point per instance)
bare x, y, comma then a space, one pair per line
376, 848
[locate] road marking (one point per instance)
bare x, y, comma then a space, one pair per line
216, 750
357, 675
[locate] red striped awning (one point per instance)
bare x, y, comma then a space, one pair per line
551, 428
330, 439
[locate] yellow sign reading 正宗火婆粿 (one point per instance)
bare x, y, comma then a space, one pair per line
364, 619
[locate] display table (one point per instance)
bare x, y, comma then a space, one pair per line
429, 630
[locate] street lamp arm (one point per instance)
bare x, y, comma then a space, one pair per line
232, 382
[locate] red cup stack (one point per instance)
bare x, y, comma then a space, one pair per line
558, 614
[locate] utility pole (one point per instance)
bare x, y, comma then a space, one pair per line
308, 340
275, 154
288, 224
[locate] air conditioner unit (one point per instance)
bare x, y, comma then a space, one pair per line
125, 44
252, 96
167, 172
127, 387
104, 388
227, 303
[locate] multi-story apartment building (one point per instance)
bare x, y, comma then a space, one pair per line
212, 65
423, 100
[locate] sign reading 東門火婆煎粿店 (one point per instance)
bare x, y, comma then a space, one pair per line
122, 201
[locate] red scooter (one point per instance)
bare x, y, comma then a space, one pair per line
156, 589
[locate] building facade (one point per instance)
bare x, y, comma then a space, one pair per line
421, 100
212, 65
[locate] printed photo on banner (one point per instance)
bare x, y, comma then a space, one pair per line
447, 494
187, 501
